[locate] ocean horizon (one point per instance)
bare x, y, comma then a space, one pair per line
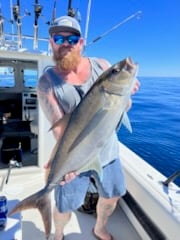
155, 119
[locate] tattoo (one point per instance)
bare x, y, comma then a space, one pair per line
50, 107
48, 101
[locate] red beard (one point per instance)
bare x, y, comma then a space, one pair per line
66, 59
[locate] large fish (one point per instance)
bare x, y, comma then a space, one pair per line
89, 126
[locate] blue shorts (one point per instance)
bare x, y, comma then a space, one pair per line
71, 196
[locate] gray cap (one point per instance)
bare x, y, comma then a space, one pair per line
65, 24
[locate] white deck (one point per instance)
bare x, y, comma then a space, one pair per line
22, 183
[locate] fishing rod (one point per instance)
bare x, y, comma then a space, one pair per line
11, 20
37, 12
71, 12
1, 27
17, 19
52, 22
54, 13
137, 15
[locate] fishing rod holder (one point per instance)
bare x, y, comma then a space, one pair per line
12, 164
171, 178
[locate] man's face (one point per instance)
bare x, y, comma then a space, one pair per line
66, 50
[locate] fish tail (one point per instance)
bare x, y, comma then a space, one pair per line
40, 200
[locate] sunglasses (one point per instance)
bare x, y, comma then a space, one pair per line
72, 39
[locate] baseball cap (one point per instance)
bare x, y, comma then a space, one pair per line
65, 24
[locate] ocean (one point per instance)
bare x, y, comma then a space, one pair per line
155, 119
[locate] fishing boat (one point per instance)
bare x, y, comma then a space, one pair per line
149, 210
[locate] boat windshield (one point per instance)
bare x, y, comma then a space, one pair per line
7, 78
30, 78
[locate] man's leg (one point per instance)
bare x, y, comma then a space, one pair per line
105, 208
60, 220
68, 197
110, 189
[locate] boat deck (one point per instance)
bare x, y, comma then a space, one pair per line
24, 182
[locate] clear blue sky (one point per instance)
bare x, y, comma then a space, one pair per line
153, 40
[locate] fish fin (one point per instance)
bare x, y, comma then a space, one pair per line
126, 122
66, 117
95, 165
42, 202
88, 129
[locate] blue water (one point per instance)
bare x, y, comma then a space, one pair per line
8, 80
155, 119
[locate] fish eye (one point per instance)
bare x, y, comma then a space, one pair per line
115, 70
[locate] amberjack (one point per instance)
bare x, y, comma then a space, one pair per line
90, 125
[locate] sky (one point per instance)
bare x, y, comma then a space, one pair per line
152, 40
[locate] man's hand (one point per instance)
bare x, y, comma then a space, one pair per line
136, 86
67, 178
135, 89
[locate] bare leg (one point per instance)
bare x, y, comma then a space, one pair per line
105, 208
60, 220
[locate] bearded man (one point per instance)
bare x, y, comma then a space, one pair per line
60, 89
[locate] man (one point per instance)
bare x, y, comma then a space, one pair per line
60, 89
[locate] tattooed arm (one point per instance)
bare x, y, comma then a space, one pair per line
50, 106
53, 113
